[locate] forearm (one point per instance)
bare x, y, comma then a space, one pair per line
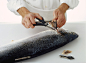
71, 3
23, 11
63, 7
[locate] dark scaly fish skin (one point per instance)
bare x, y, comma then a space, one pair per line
36, 45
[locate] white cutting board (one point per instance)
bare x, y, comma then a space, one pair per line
9, 32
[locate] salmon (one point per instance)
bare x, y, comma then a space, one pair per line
35, 45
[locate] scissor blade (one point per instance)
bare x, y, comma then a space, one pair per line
51, 27
54, 24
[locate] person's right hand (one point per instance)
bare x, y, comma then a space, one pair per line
29, 19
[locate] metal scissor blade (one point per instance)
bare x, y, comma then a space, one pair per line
51, 27
54, 24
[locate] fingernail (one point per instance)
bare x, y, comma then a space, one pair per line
41, 18
55, 20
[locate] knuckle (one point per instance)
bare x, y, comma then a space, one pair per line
33, 22
37, 13
29, 25
30, 15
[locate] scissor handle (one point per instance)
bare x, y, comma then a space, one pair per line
41, 20
39, 24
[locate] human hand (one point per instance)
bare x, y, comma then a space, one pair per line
29, 19
59, 15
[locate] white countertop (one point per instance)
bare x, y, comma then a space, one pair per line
11, 32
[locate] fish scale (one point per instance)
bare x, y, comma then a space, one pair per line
36, 45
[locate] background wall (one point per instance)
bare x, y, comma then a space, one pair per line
76, 15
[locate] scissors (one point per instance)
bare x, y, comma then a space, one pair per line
42, 22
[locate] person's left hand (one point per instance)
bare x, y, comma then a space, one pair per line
59, 16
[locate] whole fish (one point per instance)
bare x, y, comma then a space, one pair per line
35, 45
